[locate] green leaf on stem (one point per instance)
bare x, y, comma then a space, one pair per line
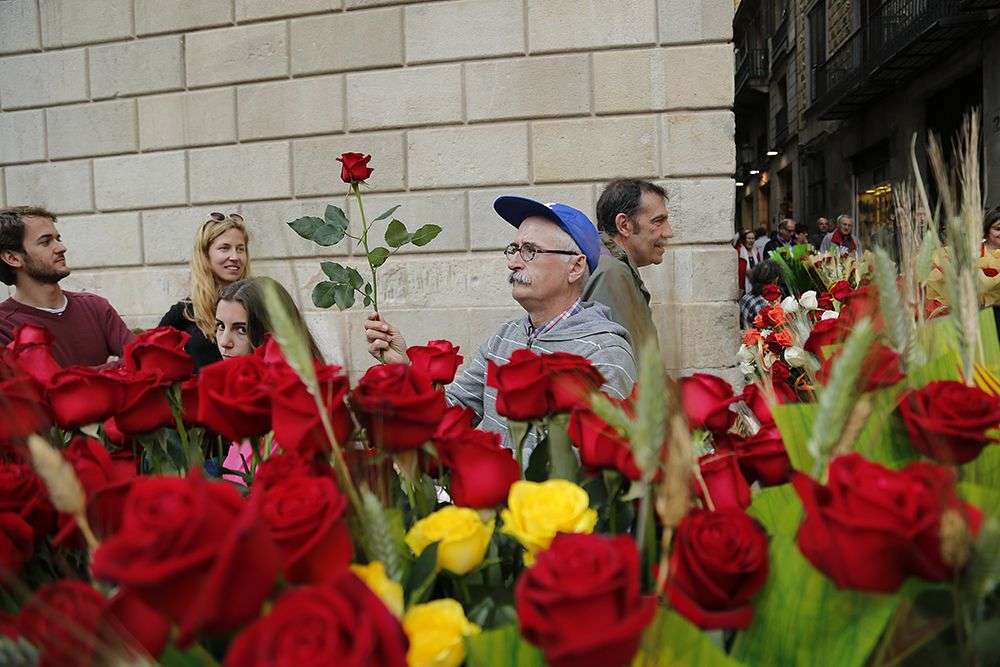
377, 256
385, 214
671, 639
354, 278
564, 462
396, 234
334, 271
328, 235
343, 296
501, 647
424, 235
538, 463
306, 227
421, 578
334, 215
323, 294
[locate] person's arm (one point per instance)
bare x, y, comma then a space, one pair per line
469, 386
618, 366
116, 332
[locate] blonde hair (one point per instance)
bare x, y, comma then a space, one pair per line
204, 283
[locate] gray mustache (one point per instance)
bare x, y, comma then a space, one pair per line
516, 277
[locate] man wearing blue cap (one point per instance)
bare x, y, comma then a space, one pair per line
555, 250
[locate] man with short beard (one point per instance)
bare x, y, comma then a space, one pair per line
86, 330
555, 250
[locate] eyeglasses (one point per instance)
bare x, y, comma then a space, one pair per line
528, 251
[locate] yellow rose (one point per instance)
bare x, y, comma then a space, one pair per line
389, 591
437, 632
537, 511
461, 535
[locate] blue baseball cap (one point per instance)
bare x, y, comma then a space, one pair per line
574, 222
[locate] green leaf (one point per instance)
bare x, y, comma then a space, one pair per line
385, 214
343, 296
985, 469
334, 215
986, 498
502, 647
672, 640
306, 227
983, 571
424, 235
396, 234
334, 271
192, 656
802, 618
778, 508
794, 421
564, 462
328, 235
354, 278
538, 463
382, 534
421, 579
322, 294
377, 256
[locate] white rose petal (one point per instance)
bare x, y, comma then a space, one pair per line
747, 368
745, 354
796, 357
808, 300
789, 304
829, 315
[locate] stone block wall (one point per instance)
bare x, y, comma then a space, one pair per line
133, 119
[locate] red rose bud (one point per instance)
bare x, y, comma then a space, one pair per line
482, 470
341, 623
880, 369
870, 527
572, 379
145, 406
780, 372
840, 289
950, 422
60, 619
234, 397
17, 542
128, 619
600, 445
581, 601
824, 301
824, 333
30, 349
521, 384
706, 400
718, 562
96, 471
306, 518
398, 405
990, 272
23, 493
771, 292
354, 167
82, 395
297, 424
724, 481
160, 349
757, 402
21, 404
438, 360
763, 457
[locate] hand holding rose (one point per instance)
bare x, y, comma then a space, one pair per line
385, 340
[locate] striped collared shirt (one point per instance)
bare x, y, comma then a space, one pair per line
534, 332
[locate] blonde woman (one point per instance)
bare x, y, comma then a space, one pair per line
220, 257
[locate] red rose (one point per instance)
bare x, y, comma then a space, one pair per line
160, 349
59, 619
600, 445
581, 601
31, 349
771, 292
438, 360
950, 422
21, 405
989, 271
128, 619
106, 506
234, 397
572, 379
306, 517
521, 384
780, 372
824, 301
340, 623
23, 493
724, 481
857, 305
145, 406
96, 470
398, 405
17, 542
194, 550
757, 402
871, 527
279, 467
482, 470
81, 395
706, 400
880, 369
718, 562
457, 420
354, 167
824, 333
296, 422
840, 289
763, 457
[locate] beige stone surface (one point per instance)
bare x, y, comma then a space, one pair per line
234, 173
22, 136
61, 187
101, 128
140, 181
701, 209
683, 21
71, 22
710, 65
594, 148
130, 68
195, 118
528, 87
247, 10
108, 239
488, 231
21, 30
474, 155
314, 105
341, 42
41, 79
463, 29
559, 25
153, 16
699, 143
630, 80
445, 209
233, 55
317, 171
411, 96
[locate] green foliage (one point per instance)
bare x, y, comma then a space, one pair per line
377, 256
382, 536
502, 647
802, 618
562, 456
673, 641
899, 322
421, 578
344, 283
778, 509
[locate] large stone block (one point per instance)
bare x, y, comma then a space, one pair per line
232, 55
464, 29
528, 87
317, 171
132, 68
19, 19
632, 80
445, 209
135, 291
153, 16
22, 136
287, 108
196, 118
361, 4
711, 65
594, 148
140, 181
168, 233
699, 143
329, 330
472, 155
61, 187
234, 173
343, 42
560, 25
701, 209
400, 97
252, 10
698, 335
111, 239
691, 274
71, 22
488, 231
683, 22
42, 79
100, 128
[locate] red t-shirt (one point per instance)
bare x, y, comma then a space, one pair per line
86, 333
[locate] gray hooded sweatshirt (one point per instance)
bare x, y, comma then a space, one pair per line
589, 333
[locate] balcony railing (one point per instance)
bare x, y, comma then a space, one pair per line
780, 128
751, 68
779, 40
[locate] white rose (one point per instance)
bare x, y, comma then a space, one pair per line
745, 354
796, 357
746, 368
829, 315
808, 300
789, 304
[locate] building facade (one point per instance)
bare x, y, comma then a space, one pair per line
134, 119
828, 94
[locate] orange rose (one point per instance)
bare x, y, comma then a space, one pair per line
784, 338
775, 315
751, 337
